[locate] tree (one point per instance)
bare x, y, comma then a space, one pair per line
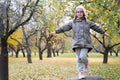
9, 24
106, 13
47, 18
106, 48
58, 43
16, 50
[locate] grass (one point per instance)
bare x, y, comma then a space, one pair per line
91, 55
61, 68
69, 55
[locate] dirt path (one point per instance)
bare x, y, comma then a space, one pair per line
61, 59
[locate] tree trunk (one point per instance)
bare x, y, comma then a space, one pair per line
23, 52
62, 50
58, 53
53, 50
110, 54
17, 52
105, 59
28, 54
4, 67
28, 50
116, 53
17, 55
4, 60
49, 50
40, 54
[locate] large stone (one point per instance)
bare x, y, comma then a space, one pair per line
88, 78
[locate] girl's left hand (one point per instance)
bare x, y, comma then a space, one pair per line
106, 34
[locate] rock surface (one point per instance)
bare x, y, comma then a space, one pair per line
88, 78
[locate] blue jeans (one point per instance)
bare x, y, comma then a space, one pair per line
81, 55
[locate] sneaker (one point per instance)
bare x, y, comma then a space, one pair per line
87, 68
81, 75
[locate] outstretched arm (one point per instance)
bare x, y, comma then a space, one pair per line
96, 28
62, 29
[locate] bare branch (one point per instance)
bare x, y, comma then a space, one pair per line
16, 40
98, 50
31, 14
32, 34
99, 40
23, 23
114, 45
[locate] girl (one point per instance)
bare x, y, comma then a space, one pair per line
81, 40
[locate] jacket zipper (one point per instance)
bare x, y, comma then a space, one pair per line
83, 36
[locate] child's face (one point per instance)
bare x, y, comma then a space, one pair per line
79, 13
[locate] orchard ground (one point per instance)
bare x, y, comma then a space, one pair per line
61, 67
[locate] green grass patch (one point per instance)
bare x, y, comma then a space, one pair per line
68, 55
90, 55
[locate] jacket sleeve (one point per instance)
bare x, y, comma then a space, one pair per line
64, 28
96, 28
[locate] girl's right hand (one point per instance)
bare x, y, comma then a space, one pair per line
52, 33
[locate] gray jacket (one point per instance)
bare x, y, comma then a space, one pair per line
81, 32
